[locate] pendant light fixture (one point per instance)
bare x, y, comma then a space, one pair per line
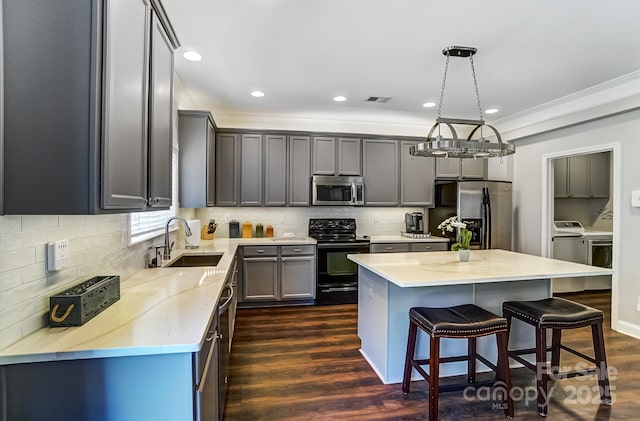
454, 147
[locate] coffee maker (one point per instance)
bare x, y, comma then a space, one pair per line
414, 222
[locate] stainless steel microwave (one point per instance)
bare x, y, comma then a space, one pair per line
337, 191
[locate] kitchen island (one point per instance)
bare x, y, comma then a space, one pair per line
390, 284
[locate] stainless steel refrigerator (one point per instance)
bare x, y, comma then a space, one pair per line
485, 206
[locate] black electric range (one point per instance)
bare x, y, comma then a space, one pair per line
336, 276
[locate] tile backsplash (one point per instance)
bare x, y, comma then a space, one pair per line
98, 245
370, 221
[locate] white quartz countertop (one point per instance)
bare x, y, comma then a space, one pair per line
443, 267
160, 311
401, 239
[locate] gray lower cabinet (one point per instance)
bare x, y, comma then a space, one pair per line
408, 247
197, 140
461, 168
251, 153
227, 169
299, 171
102, 101
416, 177
273, 274
381, 172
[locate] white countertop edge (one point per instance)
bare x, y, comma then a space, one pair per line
449, 282
377, 239
388, 263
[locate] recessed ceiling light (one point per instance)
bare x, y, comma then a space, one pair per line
257, 94
491, 110
339, 98
429, 104
192, 55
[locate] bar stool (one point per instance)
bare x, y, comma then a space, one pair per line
465, 321
558, 314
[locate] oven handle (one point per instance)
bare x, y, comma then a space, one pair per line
361, 246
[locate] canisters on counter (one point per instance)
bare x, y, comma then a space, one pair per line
259, 230
269, 231
234, 229
247, 230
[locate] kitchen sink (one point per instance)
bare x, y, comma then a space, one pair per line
191, 260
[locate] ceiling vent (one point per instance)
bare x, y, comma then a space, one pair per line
378, 99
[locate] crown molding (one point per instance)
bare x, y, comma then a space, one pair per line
613, 97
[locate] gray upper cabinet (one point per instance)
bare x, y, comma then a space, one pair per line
340, 156
416, 177
579, 177
560, 178
101, 100
299, 170
227, 153
381, 172
160, 117
461, 168
197, 139
275, 170
599, 175
324, 156
582, 176
251, 170
349, 156
124, 170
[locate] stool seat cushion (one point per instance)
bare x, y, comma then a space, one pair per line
553, 313
467, 320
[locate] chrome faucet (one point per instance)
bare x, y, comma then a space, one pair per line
167, 247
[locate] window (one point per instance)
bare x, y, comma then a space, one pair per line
146, 225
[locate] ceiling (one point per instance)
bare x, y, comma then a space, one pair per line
302, 53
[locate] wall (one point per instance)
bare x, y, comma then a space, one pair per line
369, 221
623, 129
98, 245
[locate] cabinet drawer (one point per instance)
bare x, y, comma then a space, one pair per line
429, 246
298, 250
257, 251
389, 247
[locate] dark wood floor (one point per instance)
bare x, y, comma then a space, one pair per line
303, 363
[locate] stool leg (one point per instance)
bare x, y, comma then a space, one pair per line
411, 347
541, 371
601, 361
556, 339
504, 374
434, 377
471, 362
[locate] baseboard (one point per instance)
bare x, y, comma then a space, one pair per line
628, 329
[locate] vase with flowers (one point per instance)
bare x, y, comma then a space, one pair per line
463, 248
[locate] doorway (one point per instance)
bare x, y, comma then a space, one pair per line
598, 213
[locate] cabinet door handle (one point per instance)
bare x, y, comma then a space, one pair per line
297, 250
260, 251
389, 248
427, 247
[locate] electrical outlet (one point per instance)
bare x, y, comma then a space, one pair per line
227, 218
638, 305
58, 255
635, 201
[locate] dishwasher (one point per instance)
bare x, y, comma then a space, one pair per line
212, 362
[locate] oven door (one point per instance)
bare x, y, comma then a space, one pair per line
337, 277
600, 253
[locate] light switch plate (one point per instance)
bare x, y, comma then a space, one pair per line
635, 199
57, 255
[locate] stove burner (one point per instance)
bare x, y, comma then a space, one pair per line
334, 230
